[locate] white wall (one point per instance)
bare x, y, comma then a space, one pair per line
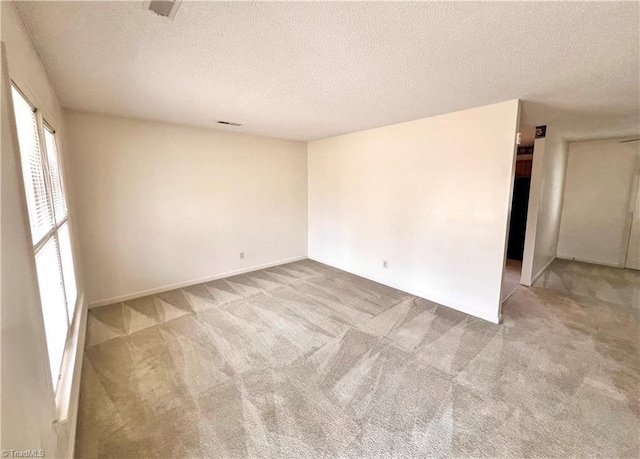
633, 248
431, 196
595, 214
161, 205
545, 204
28, 401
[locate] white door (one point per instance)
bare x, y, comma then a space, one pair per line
633, 250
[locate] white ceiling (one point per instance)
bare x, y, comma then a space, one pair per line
312, 70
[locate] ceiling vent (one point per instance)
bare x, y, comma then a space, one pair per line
229, 123
164, 8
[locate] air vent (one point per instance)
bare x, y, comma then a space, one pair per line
229, 123
164, 8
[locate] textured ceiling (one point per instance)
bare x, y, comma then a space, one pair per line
312, 70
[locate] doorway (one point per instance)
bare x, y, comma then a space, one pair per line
518, 221
597, 219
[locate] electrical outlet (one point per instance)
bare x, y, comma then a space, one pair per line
242, 255
385, 264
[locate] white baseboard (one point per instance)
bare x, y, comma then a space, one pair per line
593, 262
502, 300
544, 268
166, 288
421, 294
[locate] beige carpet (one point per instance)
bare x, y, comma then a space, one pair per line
304, 360
510, 278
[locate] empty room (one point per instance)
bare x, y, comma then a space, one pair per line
319, 229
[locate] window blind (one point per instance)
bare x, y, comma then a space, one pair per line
46, 202
68, 272
40, 215
59, 199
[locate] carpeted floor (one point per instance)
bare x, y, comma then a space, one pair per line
510, 278
304, 360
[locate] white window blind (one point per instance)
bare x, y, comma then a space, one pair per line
69, 275
59, 199
39, 212
50, 233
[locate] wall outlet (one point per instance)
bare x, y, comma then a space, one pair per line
242, 255
385, 264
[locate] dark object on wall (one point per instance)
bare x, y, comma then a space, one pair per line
541, 131
525, 150
164, 8
518, 224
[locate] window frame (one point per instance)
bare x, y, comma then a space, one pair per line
42, 125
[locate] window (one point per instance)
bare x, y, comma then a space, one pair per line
49, 221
